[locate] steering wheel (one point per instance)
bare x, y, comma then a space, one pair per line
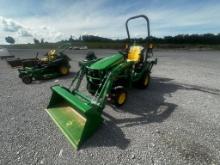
124, 51
52, 52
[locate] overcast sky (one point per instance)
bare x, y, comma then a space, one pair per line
54, 20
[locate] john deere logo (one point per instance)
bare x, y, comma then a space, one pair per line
69, 123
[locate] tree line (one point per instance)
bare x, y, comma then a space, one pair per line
178, 39
208, 38
189, 39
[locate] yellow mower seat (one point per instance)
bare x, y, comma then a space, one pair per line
134, 53
51, 55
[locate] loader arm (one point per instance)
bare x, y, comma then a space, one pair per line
80, 74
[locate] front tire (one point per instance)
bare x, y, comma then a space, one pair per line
27, 79
119, 96
91, 88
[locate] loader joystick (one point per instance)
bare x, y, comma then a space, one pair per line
90, 56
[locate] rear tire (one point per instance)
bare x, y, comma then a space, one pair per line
27, 79
64, 70
119, 96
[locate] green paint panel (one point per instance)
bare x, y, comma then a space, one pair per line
107, 62
70, 122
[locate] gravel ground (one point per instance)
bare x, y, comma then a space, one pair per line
174, 121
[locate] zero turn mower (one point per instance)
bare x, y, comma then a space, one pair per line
51, 66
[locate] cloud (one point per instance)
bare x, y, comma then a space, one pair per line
9, 26
107, 18
24, 33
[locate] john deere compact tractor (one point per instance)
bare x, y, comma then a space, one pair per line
78, 115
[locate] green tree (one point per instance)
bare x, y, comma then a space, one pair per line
42, 41
71, 40
36, 41
10, 40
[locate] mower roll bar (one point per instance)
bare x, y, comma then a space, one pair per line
135, 17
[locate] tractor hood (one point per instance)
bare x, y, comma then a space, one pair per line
107, 62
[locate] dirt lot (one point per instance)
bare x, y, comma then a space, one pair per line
175, 121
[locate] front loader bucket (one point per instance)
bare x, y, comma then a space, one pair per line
73, 114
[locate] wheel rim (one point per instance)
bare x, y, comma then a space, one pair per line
146, 80
64, 70
122, 98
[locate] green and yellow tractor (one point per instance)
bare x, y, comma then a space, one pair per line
53, 65
79, 115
